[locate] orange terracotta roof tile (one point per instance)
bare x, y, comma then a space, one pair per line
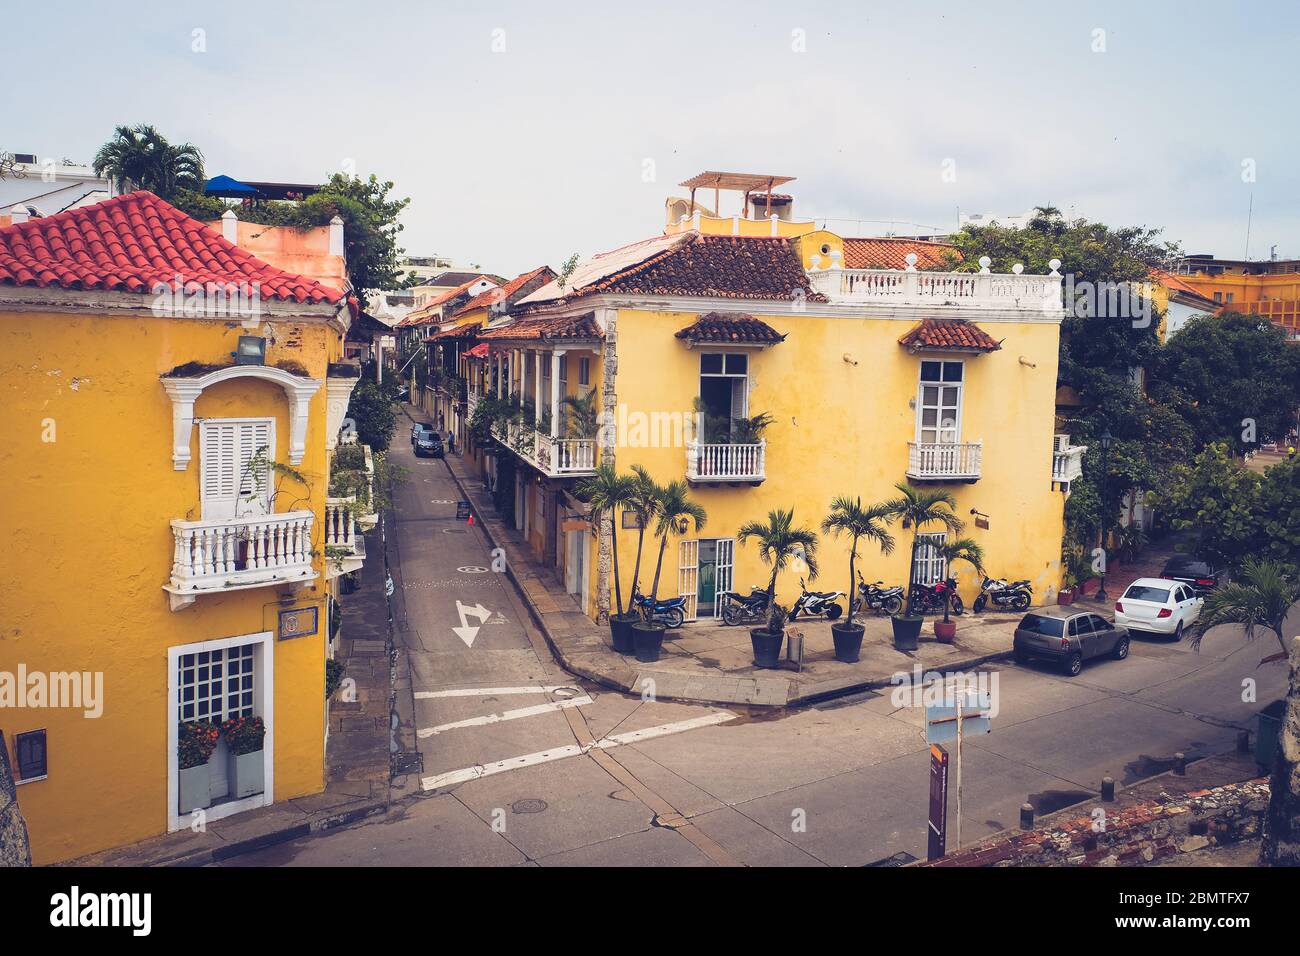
517, 287
892, 253
568, 328
948, 335
735, 328
134, 242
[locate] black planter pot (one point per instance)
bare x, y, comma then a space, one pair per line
848, 642
767, 646
620, 631
649, 638
907, 631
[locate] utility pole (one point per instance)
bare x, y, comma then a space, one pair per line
958, 697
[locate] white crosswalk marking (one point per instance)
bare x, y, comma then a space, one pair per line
507, 715
571, 750
489, 691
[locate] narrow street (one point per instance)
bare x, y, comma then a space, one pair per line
525, 764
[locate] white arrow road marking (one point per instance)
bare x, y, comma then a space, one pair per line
507, 715
465, 632
487, 691
572, 750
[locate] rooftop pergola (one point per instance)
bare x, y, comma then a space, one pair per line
746, 183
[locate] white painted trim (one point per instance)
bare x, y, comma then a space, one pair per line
264, 705
488, 691
516, 714
140, 305
184, 392
338, 394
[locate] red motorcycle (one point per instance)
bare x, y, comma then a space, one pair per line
930, 598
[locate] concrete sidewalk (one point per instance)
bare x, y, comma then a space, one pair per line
710, 663
357, 762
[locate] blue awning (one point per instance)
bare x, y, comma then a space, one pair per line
225, 186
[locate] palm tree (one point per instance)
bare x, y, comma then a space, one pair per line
607, 492
139, 157
920, 507
779, 541
642, 501
582, 417
963, 549
675, 511
848, 516
1261, 598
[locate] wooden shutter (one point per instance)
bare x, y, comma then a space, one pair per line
230, 484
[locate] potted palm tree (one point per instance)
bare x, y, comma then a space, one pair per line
918, 508
1262, 596
849, 516
963, 549
608, 493
643, 502
676, 513
779, 541
1078, 569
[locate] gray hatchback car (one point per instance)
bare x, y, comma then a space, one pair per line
1069, 638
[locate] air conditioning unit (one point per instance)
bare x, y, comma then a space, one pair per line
1060, 443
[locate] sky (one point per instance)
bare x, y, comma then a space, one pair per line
525, 132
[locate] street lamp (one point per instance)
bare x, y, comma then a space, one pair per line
1106, 440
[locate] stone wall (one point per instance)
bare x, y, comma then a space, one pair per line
1131, 835
14, 848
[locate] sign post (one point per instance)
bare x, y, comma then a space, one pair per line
964, 711
938, 829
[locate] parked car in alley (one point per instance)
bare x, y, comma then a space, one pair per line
1068, 638
1201, 575
426, 441
1159, 606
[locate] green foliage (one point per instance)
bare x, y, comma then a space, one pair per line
917, 508
375, 415
334, 671
850, 517
779, 543
139, 157
582, 415
749, 431
676, 514
243, 735
1262, 597
608, 493
1221, 372
1219, 498
196, 740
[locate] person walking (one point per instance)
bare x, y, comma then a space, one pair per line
451, 441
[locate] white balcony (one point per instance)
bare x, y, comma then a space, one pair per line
553, 457
980, 290
345, 548
1067, 459
944, 461
211, 557
726, 462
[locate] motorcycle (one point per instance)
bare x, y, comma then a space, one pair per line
929, 598
670, 611
1015, 595
739, 608
817, 602
877, 598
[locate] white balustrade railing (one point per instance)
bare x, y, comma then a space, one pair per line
944, 460
573, 455
912, 287
340, 524
1067, 459
552, 456
211, 555
725, 462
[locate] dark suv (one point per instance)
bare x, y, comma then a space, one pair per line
1203, 576
1069, 638
425, 440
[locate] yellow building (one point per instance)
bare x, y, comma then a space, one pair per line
1265, 287
171, 404
872, 370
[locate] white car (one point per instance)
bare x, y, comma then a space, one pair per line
1159, 606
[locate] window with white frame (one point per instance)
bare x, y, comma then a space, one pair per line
724, 392
938, 406
930, 567
217, 685
235, 455
584, 371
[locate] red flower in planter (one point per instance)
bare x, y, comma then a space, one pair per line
244, 735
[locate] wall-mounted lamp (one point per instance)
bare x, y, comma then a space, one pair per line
251, 350
850, 359
1027, 364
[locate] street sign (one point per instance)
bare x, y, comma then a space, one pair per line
941, 719
462, 510
938, 829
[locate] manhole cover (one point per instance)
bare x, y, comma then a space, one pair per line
564, 693
530, 805
404, 762
472, 569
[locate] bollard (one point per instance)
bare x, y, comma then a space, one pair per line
1026, 816
1108, 789
1243, 741
1180, 764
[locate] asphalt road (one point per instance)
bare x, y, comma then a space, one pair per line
509, 776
